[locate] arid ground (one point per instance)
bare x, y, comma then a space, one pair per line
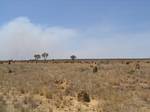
79, 86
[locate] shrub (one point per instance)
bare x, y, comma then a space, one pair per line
10, 71
128, 62
1, 62
131, 72
83, 96
137, 66
3, 105
22, 91
9, 62
48, 95
95, 69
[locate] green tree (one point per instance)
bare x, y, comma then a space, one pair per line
73, 57
45, 55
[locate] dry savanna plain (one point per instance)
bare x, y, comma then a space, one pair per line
75, 86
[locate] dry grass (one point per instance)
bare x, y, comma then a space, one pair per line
116, 86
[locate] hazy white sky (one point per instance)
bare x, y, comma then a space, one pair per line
20, 39
88, 29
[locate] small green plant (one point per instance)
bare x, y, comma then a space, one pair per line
131, 72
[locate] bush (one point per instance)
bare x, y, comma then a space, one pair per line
95, 69
128, 62
131, 72
83, 96
3, 105
137, 66
10, 71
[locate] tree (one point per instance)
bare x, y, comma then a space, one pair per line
45, 55
37, 57
73, 57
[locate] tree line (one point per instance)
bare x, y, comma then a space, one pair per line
38, 57
45, 56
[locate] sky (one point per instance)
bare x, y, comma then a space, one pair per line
85, 28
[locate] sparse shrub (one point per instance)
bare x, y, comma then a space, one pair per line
95, 69
10, 71
107, 62
128, 62
32, 103
50, 109
1, 62
131, 72
9, 62
22, 91
41, 94
48, 95
46, 92
83, 69
83, 96
137, 66
3, 107
91, 66
36, 91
